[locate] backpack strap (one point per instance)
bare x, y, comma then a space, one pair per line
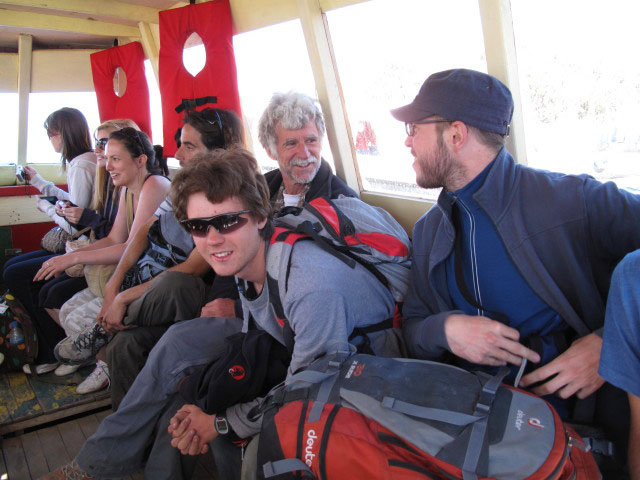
273, 469
477, 438
437, 414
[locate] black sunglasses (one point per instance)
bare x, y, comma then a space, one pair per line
101, 142
223, 223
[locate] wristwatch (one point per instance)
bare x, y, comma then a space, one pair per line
221, 424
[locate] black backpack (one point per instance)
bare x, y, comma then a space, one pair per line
25, 349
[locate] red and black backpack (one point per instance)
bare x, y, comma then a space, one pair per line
366, 417
354, 232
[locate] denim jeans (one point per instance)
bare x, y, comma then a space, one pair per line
18, 277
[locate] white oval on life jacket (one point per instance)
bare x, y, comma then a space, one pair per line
194, 55
119, 82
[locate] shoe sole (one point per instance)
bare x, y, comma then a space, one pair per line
74, 370
70, 361
44, 372
102, 387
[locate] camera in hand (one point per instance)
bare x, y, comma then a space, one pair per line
20, 173
52, 199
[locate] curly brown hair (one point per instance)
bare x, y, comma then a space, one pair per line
222, 174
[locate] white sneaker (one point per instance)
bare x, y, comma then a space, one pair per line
66, 369
40, 369
97, 380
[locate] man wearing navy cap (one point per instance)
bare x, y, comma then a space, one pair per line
511, 263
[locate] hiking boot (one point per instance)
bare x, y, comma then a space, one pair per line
80, 348
97, 380
70, 471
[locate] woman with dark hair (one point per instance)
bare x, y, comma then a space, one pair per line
132, 165
68, 133
99, 217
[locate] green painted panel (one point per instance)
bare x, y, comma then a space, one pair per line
7, 401
26, 403
53, 396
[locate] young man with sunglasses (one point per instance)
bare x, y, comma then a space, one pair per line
510, 256
136, 294
224, 203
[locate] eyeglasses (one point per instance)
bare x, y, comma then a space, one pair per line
410, 127
52, 134
101, 143
223, 223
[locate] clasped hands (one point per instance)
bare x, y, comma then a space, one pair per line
192, 430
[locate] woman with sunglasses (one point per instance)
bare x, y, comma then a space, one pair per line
99, 217
69, 135
132, 165
102, 213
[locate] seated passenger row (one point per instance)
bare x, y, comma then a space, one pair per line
512, 266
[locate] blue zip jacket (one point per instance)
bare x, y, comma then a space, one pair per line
564, 233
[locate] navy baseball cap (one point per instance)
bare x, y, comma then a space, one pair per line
474, 98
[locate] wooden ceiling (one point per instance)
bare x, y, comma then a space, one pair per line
75, 23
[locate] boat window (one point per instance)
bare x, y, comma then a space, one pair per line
271, 59
39, 148
9, 127
384, 50
580, 88
156, 109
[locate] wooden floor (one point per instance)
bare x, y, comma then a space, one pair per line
31, 455
43, 425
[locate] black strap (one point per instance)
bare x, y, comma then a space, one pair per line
300, 437
533, 342
584, 410
459, 272
478, 436
191, 103
322, 453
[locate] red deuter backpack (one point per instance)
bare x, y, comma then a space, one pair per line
364, 417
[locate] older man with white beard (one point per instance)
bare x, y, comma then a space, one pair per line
291, 130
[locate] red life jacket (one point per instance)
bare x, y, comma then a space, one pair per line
216, 84
134, 104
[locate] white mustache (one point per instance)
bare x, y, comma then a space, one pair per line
303, 162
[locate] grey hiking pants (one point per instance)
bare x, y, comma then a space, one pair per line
118, 447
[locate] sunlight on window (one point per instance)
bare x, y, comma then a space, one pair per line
385, 49
9, 127
269, 60
156, 106
580, 87
41, 105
